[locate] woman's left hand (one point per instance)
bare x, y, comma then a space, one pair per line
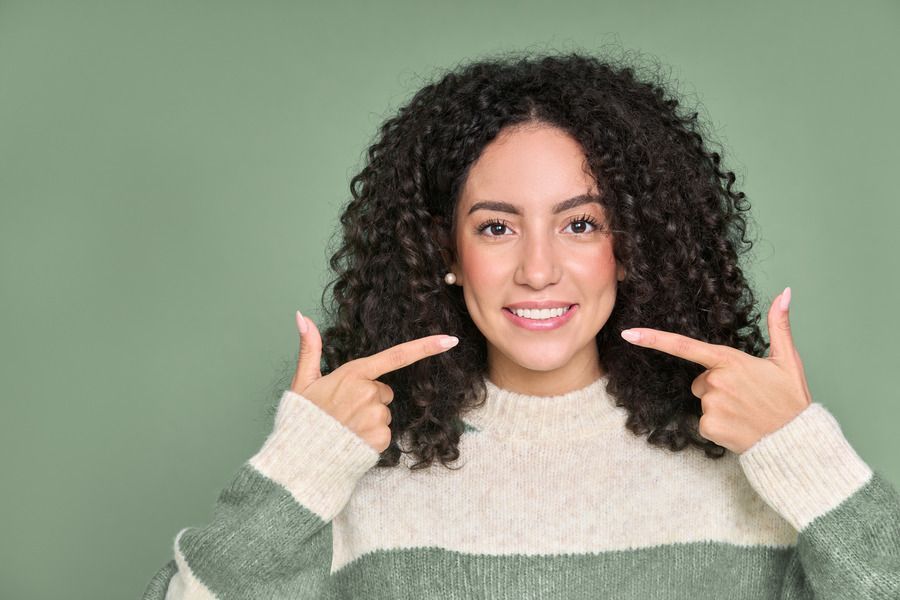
743, 397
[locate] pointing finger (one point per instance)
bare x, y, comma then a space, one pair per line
682, 346
402, 355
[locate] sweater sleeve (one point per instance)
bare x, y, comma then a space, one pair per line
270, 533
847, 516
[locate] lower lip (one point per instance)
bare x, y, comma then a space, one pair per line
543, 324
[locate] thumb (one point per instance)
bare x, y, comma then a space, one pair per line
310, 356
781, 340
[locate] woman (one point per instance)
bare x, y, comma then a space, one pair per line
536, 208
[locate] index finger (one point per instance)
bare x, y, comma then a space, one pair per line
682, 346
402, 355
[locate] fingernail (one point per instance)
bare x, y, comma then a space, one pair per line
631, 336
449, 341
785, 298
301, 323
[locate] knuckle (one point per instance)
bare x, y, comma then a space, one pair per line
397, 356
377, 412
382, 438
384, 413
682, 346
348, 370
385, 393
371, 394
704, 427
390, 395
728, 355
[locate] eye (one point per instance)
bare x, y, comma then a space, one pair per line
585, 219
491, 223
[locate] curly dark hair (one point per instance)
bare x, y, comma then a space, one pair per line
675, 218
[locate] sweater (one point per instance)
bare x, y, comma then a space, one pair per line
552, 497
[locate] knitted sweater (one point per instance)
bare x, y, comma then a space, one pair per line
554, 498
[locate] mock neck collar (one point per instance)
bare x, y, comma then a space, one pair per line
580, 413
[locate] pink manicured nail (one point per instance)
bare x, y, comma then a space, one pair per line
785, 298
631, 336
448, 341
301, 323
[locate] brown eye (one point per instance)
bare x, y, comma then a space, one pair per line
493, 223
584, 219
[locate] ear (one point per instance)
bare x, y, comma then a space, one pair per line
620, 271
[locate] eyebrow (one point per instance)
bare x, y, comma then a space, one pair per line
513, 209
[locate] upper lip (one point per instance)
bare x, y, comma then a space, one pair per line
541, 304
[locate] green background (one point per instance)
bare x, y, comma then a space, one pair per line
171, 172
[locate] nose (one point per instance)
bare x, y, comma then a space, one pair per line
538, 265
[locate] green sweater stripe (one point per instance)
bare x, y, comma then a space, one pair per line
260, 541
689, 571
853, 551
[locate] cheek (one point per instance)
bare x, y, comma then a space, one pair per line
483, 269
485, 275
595, 264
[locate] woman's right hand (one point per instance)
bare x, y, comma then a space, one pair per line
350, 393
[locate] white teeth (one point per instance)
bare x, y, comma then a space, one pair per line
540, 314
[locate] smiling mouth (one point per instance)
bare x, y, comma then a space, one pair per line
568, 308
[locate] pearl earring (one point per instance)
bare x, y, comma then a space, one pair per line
450, 278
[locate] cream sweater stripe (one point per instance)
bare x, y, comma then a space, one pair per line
806, 468
313, 456
514, 496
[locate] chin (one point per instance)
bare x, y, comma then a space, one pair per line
540, 359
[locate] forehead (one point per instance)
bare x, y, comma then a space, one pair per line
534, 168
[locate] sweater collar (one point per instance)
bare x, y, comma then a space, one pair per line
580, 413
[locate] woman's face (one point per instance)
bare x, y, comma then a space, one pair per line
513, 247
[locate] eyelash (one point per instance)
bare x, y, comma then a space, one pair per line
585, 218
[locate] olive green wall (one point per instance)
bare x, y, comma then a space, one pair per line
170, 173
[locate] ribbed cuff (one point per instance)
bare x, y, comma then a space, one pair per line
314, 456
805, 468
